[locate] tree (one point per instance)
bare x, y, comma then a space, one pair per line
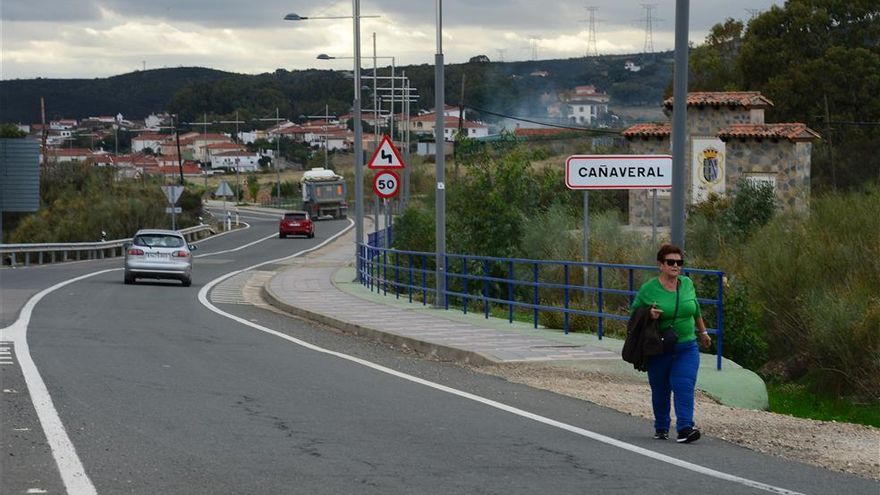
712, 66
11, 131
816, 58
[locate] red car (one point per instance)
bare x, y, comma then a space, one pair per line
296, 223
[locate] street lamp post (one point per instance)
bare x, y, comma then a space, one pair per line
358, 132
440, 164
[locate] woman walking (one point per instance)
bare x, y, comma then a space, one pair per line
672, 299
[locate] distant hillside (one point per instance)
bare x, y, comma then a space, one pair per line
512, 88
135, 95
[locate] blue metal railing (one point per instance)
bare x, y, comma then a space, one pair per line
523, 288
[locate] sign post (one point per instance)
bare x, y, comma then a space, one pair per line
224, 190
172, 194
386, 184
604, 172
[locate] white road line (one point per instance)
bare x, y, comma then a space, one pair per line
70, 467
236, 249
203, 298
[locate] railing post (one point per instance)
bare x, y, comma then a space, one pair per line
464, 272
510, 274
424, 280
719, 316
384, 271
446, 278
565, 300
40, 258
410, 284
601, 308
632, 284
535, 300
397, 274
486, 288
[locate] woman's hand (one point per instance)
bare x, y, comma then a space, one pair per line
655, 312
705, 340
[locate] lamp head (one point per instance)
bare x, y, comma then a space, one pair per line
324, 56
294, 17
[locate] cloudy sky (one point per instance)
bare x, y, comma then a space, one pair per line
99, 38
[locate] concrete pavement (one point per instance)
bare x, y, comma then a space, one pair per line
319, 286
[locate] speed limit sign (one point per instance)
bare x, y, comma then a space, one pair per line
386, 184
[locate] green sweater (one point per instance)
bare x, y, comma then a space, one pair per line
688, 307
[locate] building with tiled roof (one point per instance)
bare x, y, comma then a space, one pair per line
727, 142
746, 99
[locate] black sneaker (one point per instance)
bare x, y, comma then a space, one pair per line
688, 435
661, 434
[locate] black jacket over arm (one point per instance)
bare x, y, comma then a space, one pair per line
642, 339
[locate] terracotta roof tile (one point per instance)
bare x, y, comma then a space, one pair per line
792, 131
651, 129
748, 99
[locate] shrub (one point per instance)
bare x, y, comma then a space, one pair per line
816, 281
414, 231
744, 341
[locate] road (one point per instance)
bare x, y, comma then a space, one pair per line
159, 390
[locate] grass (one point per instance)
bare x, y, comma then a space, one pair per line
796, 400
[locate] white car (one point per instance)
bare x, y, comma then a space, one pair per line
158, 254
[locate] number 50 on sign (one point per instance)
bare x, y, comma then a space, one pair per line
386, 184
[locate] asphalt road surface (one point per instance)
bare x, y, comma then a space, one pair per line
156, 390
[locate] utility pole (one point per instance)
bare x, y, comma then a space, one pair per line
237, 178
830, 146
179, 156
277, 167
679, 121
277, 121
326, 119
440, 165
44, 132
592, 49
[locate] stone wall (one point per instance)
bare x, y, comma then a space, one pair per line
785, 163
641, 200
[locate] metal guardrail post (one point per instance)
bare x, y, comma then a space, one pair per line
486, 288
601, 306
565, 299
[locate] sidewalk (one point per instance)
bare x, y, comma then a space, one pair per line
320, 287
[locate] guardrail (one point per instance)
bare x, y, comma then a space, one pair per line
28, 254
594, 294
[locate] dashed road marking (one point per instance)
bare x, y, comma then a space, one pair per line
6, 355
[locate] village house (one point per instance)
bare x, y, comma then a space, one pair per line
586, 105
241, 160
727, 141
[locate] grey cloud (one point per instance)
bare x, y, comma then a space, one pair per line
48, 11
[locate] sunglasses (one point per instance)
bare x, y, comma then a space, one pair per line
670, 262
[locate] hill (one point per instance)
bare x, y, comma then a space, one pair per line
503, 87
135, 95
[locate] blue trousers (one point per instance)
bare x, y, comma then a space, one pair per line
674, 373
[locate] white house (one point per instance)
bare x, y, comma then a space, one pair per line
148, 140
244, 161
586, 105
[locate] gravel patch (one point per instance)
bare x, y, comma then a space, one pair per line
844, 447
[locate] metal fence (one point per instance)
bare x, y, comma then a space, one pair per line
560, 294
28, 254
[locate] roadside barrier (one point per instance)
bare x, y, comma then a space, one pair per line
39, 254
593, 294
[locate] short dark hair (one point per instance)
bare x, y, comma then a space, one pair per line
668, 249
